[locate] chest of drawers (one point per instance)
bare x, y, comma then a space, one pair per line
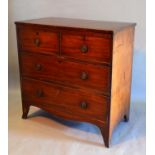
77, 69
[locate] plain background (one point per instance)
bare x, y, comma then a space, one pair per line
120, 10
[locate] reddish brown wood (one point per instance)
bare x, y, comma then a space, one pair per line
78, 69
80, 24
38, 40
98, 47
121, 77
70, 73
65, 99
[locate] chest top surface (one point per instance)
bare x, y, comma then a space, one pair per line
79, 23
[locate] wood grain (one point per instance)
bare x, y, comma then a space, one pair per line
99, 48
48, 40
121, 76
67, 72
66, 99
108, 26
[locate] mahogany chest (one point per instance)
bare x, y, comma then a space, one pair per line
77, 69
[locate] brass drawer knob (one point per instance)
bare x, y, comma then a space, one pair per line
84, 48
38, 67
37, 42
83, 105
39, 93
84, 76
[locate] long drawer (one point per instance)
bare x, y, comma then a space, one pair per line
71, 73
65, 99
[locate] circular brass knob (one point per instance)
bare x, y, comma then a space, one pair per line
39, 93
38, 67
83, 105
84, 76
84, 48
37, 42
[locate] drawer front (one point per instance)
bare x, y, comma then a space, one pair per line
38, 40
87, 48
82, 75
64, 99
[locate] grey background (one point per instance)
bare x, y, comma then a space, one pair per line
44, 134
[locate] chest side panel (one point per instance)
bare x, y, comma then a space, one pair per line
121, 75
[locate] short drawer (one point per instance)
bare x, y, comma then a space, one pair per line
87, 48
75, 74
65, 98
38, 40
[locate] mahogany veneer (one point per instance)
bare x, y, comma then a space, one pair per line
77, 69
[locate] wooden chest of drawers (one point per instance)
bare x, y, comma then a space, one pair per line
77, 69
